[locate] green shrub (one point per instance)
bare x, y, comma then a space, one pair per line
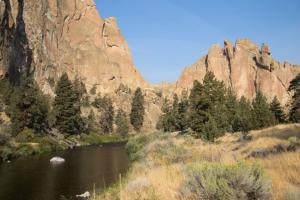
215, 181
4, 137
95, 138
7, 153
26, 135
169, 153
135, 145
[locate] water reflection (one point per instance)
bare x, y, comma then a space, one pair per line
35, 178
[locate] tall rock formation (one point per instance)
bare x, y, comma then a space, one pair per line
48, 37
245, 67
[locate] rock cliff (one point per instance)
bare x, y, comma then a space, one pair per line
49, 37
245, 67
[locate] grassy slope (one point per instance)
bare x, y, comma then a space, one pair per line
158, 172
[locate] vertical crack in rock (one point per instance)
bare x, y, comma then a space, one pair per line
14, 44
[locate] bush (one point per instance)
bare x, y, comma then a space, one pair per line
27, 135
95, 138
169, 153
4, 137
214, 181
135, 145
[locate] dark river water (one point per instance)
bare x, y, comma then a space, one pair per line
35, 178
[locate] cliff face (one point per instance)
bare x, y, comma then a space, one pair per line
245, 67
53, 36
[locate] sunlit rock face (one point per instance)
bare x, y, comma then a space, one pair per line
49, 37
245, 67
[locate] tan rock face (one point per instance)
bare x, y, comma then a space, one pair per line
66, 36
244, 67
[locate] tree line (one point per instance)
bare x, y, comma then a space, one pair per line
211, 109
28, 107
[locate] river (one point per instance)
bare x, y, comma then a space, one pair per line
35, 178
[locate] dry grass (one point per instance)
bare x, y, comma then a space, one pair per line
152, 178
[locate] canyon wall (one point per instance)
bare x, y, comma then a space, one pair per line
49, 37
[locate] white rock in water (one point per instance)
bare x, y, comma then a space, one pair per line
57, 160
84, 195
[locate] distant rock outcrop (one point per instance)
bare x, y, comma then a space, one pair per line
244, 67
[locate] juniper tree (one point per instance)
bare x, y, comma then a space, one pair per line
294, 115
137, 110
66, 107
122, 123
277, 110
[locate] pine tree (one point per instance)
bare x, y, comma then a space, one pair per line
137, 110
66, 107
208, 107
163, 122
28, 107
262, 115
91, 122
198, 117
277, 110
122, 123
231, 107
182, 116
294, 115
243, 119
107, 116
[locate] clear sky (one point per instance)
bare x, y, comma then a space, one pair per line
166, 35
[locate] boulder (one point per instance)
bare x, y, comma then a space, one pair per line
57, 160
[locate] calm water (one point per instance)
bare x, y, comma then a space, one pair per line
34, 178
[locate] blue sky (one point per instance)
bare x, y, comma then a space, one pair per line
166, 35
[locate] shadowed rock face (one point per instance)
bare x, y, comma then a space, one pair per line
244, 67
50, 37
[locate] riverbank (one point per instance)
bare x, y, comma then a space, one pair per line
30, 144
171, 166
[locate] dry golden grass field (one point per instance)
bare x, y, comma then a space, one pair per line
164, 164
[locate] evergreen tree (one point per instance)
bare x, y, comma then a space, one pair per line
107, 116
277, 110
122, 123
28, 107
208, 107
262, 115
232, 107
137, 110
66, 107
91, 122
198, 104
182, 113
243, 117
294, 115
164, 120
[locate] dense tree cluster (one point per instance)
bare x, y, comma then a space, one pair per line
212, 109
28, 107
